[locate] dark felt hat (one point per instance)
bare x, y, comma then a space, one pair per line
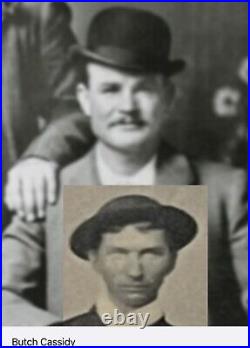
130, 39
179, 226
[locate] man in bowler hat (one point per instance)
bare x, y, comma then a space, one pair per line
132, 242
127, 93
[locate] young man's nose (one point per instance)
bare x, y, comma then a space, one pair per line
134, 267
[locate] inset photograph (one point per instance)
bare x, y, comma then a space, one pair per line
135, 256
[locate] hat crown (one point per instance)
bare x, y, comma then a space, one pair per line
132, 29
130, 39
129, 202
178, 225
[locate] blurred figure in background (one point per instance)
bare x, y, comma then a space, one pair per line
39, 80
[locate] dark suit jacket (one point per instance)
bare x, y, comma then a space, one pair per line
25, 252
92, 319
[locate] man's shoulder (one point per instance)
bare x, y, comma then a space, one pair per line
81, 172
218, 173
188, 170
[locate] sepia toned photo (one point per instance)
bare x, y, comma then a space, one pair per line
140, 98
137, 251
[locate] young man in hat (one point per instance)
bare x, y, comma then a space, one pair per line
132, 242
127, 94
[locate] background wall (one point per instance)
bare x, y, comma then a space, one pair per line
212, 37
184, 293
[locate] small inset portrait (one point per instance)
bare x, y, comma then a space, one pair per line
135, 256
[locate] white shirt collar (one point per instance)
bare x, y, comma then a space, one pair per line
145, 176
105, 305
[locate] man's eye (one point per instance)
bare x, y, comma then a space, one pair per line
146, 87
110, 89
153, 253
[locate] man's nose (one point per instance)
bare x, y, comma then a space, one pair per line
135, 269
128, 102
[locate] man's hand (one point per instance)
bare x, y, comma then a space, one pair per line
31, 185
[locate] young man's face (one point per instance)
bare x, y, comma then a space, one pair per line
133, 263
127, 111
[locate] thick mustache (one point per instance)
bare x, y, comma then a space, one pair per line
128, 119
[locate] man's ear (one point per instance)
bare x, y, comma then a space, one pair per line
92, 255
82, 95
171, 265
93, 259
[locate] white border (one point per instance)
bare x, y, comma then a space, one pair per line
151, 336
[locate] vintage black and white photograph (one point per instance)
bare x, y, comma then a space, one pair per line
136, 94
135, 256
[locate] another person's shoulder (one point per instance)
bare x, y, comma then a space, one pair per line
220, 175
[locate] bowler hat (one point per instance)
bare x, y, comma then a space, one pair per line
179, 226
130, 39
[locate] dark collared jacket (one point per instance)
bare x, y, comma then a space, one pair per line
91, 318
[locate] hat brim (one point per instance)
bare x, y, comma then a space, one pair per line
179, 226
119, 61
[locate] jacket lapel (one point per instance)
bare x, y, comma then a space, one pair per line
84, 172
175, 170
172, 169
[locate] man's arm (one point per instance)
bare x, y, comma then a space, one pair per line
33, 182
24, 283
68, 134
238, 226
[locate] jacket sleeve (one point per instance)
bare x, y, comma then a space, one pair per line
237, 208
24, 284
67, 135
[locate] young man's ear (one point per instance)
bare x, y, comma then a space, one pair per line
92, 256
82, 95
93, 259
171, 265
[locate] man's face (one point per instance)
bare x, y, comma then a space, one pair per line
133, 263
127, 111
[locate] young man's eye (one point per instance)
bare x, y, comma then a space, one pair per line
157, 252
118, 251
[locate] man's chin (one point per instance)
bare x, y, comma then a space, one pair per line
137, 300
127, 144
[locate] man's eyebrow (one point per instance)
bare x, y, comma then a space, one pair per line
148, 79
154, 249
118, 249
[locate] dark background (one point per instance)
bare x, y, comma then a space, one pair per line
213, 39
